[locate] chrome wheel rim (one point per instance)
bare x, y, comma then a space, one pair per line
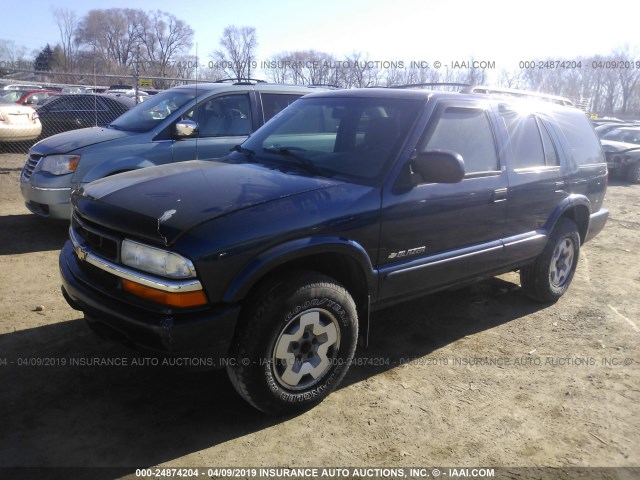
562, 263
306, 349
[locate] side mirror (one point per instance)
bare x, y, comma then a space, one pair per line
186, 128
438, 166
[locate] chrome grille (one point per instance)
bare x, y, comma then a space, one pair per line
30, 166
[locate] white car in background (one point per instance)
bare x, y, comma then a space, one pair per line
18, 123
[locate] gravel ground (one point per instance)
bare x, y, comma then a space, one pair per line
477, 377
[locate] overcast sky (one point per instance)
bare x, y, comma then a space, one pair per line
501, 31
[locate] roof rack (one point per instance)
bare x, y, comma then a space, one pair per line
432, 84
512, 92
330, 85
240, 81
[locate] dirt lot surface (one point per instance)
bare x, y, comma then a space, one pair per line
476, 377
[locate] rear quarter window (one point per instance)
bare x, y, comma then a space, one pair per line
583, 143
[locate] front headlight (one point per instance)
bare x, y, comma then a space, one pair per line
155, 260
60, 164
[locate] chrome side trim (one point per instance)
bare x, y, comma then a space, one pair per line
45, 189
439, 261
172, 286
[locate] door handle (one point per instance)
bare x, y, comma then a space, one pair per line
500, 195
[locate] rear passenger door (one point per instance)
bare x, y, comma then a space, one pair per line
536, 183
433, 235
274, 103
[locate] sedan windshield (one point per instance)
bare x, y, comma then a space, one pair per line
145, 116
349, 137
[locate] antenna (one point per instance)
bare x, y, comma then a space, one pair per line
198, 109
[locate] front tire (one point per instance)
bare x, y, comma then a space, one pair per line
294, 344
549, 276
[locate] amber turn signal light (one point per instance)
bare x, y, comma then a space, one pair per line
182, 299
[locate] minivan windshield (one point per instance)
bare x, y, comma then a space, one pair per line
350, 137
146, 115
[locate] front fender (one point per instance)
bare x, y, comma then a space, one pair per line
296, 250
104, 169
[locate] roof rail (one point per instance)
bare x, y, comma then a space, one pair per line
432, 84
241, 81
513, 92
330, 85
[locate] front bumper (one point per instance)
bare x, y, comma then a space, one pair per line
205, 332
45, 201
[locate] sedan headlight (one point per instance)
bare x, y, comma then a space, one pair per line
155, 260
60, 164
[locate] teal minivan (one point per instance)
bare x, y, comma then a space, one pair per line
198, 121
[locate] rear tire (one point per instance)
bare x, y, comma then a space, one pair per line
294, 344
549, 276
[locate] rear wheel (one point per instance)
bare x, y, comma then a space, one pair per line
549, 276
295, 342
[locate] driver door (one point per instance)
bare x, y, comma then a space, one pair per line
223, 121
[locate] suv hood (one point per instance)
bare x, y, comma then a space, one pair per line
161, 203
66, 142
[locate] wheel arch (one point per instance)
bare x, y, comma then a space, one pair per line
576, 208
343, 260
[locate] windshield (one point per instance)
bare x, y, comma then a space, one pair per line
350, 137
145, 116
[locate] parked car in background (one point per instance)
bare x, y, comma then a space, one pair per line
18, 123
622, 149
131, 93
21, 87
605, 128
31, 98
183, 123
603, 120
71, 112
74, 90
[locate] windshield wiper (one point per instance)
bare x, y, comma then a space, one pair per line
301, 161
241, 149
115, 127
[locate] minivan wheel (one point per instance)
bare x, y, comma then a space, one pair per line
549, 276
294, 344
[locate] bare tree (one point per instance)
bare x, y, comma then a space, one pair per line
113, 36
361, 72
237, 54
13, 54
67, 25
164, 38
628, 76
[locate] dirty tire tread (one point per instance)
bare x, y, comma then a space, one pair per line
259, 311
534, 277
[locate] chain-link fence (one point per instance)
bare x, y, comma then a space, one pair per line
33, 107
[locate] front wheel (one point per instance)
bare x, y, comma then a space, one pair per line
294, 344
549, 276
